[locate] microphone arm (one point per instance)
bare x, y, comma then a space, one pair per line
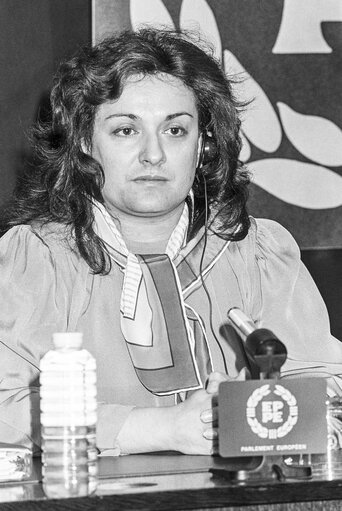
262, 347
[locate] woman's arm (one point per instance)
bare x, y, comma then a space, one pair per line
30, 310
170, 428
189, 427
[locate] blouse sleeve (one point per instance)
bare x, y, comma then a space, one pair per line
30, 309
293, 308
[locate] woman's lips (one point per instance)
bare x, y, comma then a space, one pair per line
150, 178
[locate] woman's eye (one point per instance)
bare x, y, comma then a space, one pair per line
124, 132
176, 131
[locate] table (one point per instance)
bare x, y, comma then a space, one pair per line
175, 482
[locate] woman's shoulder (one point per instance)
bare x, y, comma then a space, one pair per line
268, 250
39, 241
50, 234
265, 230
270, 237
265, 239
267, 242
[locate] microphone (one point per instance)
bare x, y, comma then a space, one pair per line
262, 346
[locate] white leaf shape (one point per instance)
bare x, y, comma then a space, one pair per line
245, 152
197, 15
260, 124
301, 25
149, 12
295, 182
317, 138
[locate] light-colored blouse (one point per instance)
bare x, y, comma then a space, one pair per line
46, 287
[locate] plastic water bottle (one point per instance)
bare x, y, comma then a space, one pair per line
68, 418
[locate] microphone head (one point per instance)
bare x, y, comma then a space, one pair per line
268, 352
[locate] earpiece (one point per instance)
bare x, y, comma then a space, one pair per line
208, 150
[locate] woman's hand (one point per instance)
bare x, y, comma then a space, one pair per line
214, 380
183, 427
194, 426
196, 419
189, 427
210, 416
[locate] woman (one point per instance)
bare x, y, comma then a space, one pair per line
133, 229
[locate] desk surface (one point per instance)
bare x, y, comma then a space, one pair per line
176, 482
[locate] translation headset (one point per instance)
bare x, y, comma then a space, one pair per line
208, 151
207, 154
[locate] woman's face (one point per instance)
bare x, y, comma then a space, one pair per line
147, 144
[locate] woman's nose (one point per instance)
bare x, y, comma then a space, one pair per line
152, 152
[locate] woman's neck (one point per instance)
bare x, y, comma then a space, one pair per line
152, 233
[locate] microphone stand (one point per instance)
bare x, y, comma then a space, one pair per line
266, 354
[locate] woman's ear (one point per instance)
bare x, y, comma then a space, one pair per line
199, 149
85, 148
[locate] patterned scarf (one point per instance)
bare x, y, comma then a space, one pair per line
165, 337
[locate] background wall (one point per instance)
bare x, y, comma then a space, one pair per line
34, 36
289, 53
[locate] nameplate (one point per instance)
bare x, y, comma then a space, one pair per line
272, 417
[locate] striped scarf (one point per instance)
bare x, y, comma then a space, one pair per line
165, 338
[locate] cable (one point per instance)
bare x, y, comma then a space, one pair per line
201, 275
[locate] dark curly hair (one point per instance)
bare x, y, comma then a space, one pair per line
65, 179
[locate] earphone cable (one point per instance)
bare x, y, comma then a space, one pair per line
202, 279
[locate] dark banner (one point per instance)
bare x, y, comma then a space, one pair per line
288, 54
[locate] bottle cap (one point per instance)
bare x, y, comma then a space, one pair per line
67, 340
